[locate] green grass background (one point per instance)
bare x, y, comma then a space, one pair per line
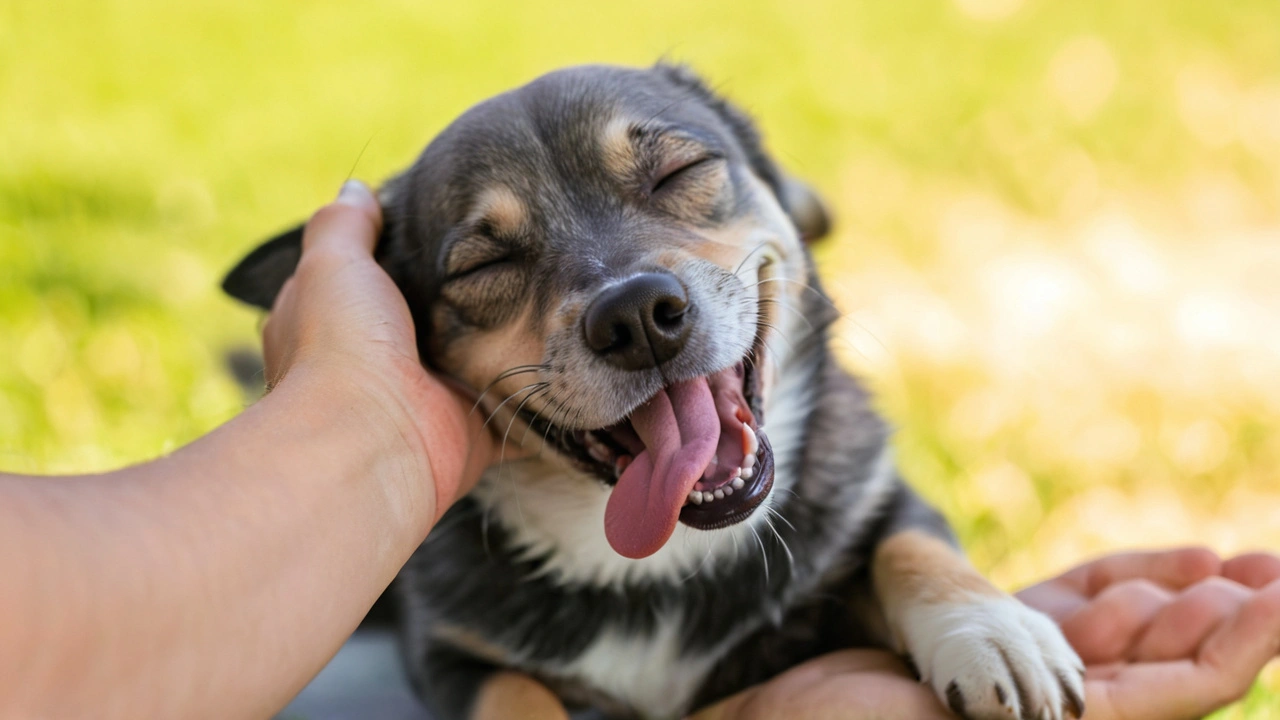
1058, 236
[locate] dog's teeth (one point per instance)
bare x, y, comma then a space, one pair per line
728, 489
750, 444
719, 493
747, 474
707, 497
695, 497
737, 483
748, 461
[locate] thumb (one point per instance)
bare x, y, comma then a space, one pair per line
349, 224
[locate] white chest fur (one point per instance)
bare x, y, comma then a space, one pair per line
646, 672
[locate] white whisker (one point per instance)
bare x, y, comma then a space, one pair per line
770, 513
764, 554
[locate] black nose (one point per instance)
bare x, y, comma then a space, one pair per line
640, 323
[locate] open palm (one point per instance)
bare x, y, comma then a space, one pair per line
1165, 636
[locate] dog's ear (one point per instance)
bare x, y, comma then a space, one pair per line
807, 211
257, 279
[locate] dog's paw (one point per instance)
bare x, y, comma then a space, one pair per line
993, 657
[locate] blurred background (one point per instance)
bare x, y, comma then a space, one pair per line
1058, 239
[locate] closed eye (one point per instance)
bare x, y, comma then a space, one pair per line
676, 172
475, 255
469, 270
484, 281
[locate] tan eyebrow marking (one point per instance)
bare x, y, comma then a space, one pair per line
502, 208
636, 153
617, 148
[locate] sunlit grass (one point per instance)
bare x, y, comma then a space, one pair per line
1058, 242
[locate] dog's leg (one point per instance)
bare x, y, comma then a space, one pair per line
984, 653
508, 694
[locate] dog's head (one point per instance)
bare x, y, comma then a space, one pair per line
605, 255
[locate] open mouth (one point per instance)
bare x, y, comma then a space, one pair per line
694, 453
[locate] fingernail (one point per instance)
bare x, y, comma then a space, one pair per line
354, 192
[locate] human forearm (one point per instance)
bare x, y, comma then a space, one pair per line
274, 509
216, 581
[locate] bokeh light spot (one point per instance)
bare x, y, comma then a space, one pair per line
1082, 75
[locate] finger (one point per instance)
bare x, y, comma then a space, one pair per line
1242, 644
1221, 673
1255, 570
1172, 569
1179, 627
1107, 627
349, 224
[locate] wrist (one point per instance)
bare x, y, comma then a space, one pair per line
438, 427
372, 416
430, 448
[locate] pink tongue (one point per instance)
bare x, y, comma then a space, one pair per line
680, 431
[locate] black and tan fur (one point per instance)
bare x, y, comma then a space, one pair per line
500, 235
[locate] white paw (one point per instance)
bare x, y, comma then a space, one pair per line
993, 657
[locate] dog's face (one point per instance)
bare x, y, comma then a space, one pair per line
609, 259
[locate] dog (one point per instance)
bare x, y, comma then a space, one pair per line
608, 257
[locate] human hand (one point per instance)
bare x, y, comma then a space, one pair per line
849, 685
342, 318
1166, 635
